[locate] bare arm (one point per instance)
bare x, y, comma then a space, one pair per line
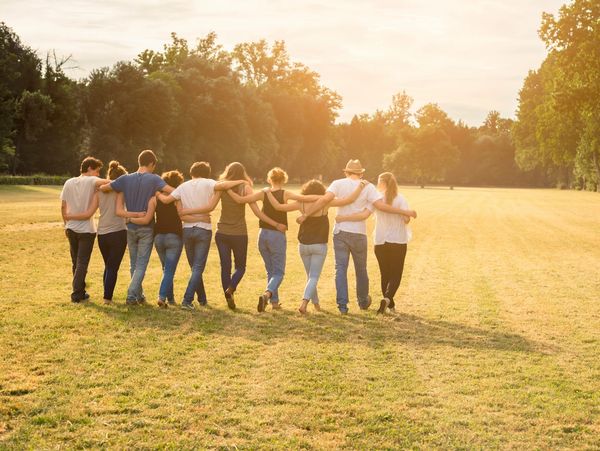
381, 205
354, 217
168, 189
228, 184
287, 195
318, 205
341, 201
246, 199
263, 217
214, 200
63, 211
147, 218
120, 209
165, 199
86, 214
105, 188
282, 207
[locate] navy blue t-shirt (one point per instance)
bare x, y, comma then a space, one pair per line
138, 188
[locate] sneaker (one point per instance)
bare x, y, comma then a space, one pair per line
203, 303
261, 303
142, 301
86, 297
382, 306
187, 306
367, 304
230, 300
131, 302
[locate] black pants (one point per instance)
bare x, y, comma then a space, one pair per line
390, 257
112, 247
81, 245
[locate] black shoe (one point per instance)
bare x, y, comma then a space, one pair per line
230, 300
86, 297
382, 306
262, 302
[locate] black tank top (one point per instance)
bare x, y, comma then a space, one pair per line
167, 219
268, 209
314, 230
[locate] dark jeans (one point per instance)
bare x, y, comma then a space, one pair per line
226, 244
112, 247
390, 257
197, 244
81, 246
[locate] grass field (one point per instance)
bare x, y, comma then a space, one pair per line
495, 344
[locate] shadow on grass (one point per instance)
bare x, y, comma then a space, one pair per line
364, 328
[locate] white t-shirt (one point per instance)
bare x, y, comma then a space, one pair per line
390, 227
78, 192
195, 193
345, 187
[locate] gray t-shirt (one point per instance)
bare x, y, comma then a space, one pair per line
109, 222
77, 192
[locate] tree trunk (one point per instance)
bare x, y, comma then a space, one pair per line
597, 167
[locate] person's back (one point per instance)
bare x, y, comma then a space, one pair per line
167, 219
268, 209
233, 215
391, 227
77, 193
138, 188
196, 193
109, 221
345, 187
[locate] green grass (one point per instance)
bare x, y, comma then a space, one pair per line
495, 344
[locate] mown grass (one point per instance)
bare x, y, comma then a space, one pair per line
495, 344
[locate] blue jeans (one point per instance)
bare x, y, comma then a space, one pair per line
197, 245
313, 257
140, 242
344, 245
168, 246
272, 247
238, 245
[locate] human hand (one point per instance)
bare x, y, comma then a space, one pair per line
281, 227
413, 214
300, 219
364, 183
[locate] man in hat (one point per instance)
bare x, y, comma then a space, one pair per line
350, 237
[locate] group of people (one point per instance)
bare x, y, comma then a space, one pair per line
141, 210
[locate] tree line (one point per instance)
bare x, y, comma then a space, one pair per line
256, 105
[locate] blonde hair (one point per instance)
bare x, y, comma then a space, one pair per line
115, 170
277, 176
391, 186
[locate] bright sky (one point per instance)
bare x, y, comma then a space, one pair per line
469, 56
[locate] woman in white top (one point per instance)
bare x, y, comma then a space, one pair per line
391, 237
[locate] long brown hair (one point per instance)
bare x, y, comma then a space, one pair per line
235, 171
391, 187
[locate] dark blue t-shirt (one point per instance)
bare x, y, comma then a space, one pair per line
138, 188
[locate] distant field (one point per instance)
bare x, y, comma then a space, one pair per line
496, 343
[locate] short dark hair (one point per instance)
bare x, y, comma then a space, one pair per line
173, 178
90, 163
146, 158
200, 169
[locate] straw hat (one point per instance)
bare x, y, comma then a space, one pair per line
354, 167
